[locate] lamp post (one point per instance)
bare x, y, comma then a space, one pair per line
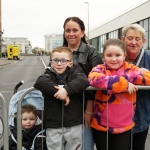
88, 21
0, 30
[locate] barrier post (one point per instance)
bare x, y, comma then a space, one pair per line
19, 118
5, 121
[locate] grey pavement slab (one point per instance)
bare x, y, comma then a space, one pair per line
5, 61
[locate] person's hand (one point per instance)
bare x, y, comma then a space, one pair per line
87, 119
88, 113
61, 93
143, 69
131, 88
67, 100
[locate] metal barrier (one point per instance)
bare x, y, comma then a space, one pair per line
5, 121
139, 88
19, 120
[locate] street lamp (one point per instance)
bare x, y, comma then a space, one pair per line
88, 21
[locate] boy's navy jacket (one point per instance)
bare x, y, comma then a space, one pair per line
28, 136
74, 82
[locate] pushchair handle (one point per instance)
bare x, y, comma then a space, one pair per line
17, 86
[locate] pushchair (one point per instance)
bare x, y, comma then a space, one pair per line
34, 98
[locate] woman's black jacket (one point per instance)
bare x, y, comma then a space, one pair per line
85, 58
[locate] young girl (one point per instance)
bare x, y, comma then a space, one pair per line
114, 107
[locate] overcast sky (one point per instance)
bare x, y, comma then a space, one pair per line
35, 18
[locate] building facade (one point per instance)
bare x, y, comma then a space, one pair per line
52, 41
113, 29
24, 43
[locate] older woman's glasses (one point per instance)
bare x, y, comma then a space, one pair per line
62, 61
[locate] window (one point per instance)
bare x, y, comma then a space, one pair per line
99, 44
103, 39
149, 23
120, 33
116, 34
141, 23
94, 42
111, 35
146, 24
146, 43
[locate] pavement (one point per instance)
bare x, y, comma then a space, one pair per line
5, 61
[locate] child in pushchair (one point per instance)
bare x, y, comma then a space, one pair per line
33, 136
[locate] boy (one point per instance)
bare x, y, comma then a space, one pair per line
31, 127
62, 85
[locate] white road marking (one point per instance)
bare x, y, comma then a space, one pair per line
43, 62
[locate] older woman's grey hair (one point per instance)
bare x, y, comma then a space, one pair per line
135, 27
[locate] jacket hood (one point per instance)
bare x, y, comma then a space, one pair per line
50, 69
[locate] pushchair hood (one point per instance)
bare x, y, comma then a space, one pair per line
34, 98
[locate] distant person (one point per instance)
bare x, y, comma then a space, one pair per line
85, 57
62, 86
3, 54
32, 136
114, 107
134, 39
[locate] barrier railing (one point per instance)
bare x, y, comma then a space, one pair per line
19, 126
19, 120
5, 122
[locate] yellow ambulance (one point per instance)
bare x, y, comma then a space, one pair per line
13, 52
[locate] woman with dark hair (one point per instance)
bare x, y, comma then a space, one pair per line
82, 27
85, 57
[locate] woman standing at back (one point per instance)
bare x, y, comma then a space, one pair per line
134, 39
85, 57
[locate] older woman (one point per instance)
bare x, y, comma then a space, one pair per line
134, 39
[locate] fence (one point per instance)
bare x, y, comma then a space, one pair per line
5, 121
19, 121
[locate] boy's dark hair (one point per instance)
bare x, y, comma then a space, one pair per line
61, 49
115, 42
29, 108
